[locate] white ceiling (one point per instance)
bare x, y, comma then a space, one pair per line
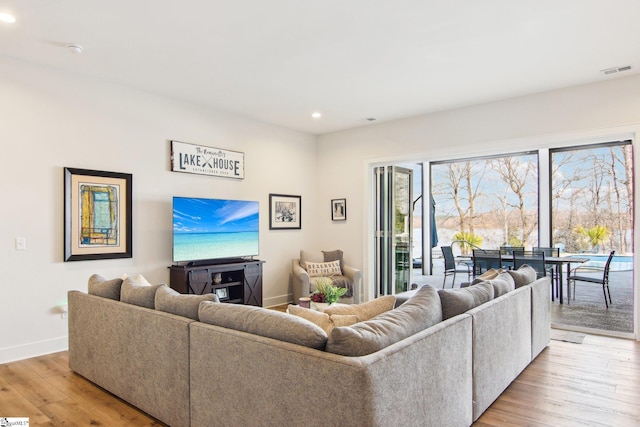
280, 60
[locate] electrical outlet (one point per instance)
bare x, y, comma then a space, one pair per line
64, 311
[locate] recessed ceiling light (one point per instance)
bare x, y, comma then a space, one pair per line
5, 17
75, 48
316, 115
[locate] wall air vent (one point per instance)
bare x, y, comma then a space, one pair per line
615, 70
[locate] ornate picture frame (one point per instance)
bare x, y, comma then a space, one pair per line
285, 212
97, 215
338, 209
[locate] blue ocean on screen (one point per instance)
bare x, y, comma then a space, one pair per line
193, 246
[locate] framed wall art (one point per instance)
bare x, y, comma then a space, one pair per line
285, 212
222, 294
97, 215
339, 209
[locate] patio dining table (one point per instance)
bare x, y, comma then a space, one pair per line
559, 261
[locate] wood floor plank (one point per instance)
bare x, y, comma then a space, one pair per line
31, 385
97, 400
14, 404
46, 366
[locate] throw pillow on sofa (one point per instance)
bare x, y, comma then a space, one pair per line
134, 292
460, 300
102, 287
418, 313
524, 275
172, 301
502, 284
264, 322
366, 310
326, 322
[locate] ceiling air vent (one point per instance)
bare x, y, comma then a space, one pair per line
615, 70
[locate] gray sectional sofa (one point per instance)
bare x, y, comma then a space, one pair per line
240, 365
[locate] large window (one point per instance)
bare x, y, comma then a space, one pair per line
592, 198
489, 202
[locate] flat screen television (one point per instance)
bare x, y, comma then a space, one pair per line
214, 229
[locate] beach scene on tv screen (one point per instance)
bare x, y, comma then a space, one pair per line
214, 228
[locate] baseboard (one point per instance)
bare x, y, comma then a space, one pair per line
279, 300
26, 351
591, 331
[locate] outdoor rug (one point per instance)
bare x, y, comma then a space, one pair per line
567, 336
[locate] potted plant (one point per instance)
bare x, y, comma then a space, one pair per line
325, 291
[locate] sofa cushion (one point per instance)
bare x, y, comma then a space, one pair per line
490, 274
418, 313
172, 301
502, 284
134, 292
366, 310
328, 269
326, 322
264, 322
102, 287
524, 275
457, 301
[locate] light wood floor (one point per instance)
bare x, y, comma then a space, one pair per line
596, 383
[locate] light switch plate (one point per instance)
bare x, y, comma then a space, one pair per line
21, 243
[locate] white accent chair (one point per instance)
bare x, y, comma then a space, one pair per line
303, 285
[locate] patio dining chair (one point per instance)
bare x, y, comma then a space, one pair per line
451, 266
533, 258
507, 255
486, 259
552, 269
577, 275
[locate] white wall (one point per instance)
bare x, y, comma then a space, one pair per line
50, 120
596, 112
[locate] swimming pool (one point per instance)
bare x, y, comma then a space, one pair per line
618, 263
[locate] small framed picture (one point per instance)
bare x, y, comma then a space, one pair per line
285, 212
222, 293
339, 209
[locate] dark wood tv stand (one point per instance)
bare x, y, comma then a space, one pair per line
241, 279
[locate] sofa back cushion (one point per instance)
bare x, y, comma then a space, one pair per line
524, 275
325, 321
172, 301
138, 293
502, 284
460, 300
264, 322
418, 313
366, 310
102, 287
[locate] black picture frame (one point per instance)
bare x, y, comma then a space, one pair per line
285, 212
98, 215
222, 293
338, 209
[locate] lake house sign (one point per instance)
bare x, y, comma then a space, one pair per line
198, 159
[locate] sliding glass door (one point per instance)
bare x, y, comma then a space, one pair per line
393, 229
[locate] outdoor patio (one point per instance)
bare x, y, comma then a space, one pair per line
587, 310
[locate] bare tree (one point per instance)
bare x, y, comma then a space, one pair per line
518, 177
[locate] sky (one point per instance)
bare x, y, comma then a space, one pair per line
198, 215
